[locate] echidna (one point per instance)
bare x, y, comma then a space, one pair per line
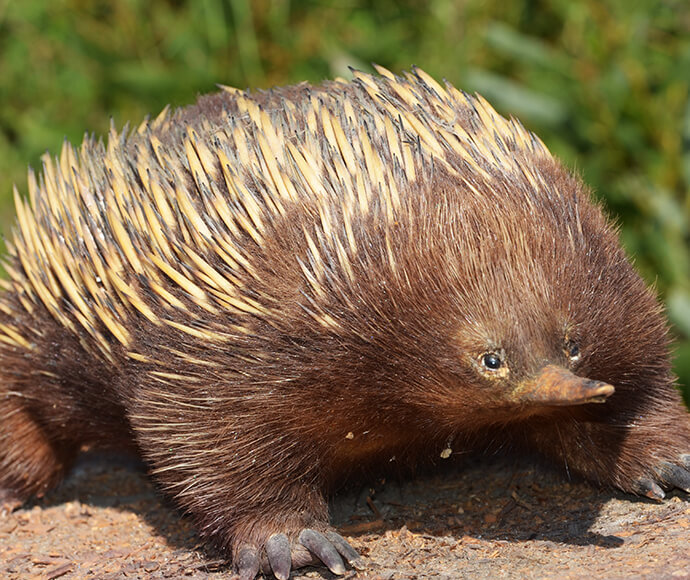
269, 293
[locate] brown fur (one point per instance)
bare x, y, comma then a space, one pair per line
350, 322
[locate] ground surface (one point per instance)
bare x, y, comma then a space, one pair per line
485, 520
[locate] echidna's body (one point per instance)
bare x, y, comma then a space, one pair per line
268, 293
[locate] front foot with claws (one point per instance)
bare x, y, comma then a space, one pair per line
667, 476
310, 547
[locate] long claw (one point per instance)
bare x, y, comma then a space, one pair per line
648, 488
247, 563
319, 545
345, 550
675, 476
278, 553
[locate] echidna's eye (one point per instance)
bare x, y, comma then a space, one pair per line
491, 361
572, 349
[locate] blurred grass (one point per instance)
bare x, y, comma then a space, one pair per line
604, 83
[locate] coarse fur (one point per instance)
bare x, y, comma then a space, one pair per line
269, 293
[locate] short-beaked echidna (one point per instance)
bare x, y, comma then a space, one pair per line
270, 293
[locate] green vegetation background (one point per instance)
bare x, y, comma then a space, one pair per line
604, 83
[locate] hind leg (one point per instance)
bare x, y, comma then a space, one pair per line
30, 460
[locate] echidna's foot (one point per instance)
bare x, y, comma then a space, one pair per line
667, 476
675, 475
279, 555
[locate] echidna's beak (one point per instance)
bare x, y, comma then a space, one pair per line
557, 386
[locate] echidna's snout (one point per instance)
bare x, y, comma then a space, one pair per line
557, 386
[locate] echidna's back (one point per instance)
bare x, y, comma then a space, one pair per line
174, 217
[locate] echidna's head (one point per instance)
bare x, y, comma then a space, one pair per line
524, 300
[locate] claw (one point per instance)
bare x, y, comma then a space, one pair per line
8, 502
675, 476
319, 545
247, 563
278, 553
646, 487
345, 550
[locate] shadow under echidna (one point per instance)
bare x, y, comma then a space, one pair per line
269, 294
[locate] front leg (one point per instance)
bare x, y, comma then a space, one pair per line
250, 482
275, 535
641, 453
